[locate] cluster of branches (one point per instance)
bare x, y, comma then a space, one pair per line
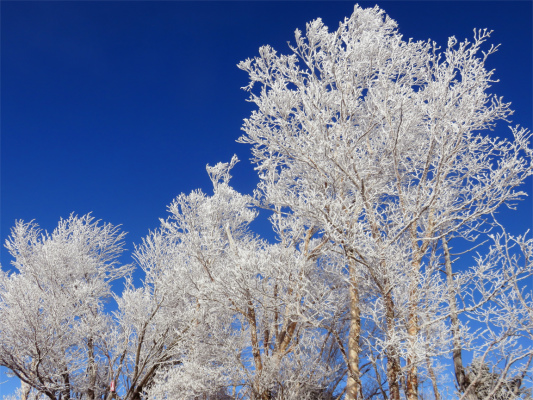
374, 159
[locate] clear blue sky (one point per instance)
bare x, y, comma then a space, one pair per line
116, 107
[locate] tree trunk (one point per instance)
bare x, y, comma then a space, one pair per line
393, 362
24, 390
353, 384
412, 371
65, 393
91, 370
412, 331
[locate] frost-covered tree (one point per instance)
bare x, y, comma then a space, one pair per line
53, 324
495, 294
375, 159
381, 144
267, 338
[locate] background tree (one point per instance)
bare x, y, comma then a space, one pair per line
52, 309
264, 295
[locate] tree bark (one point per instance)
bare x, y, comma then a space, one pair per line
393, 363
24, 390
65, 393
412, 333
412, 323
91, 370
353, 384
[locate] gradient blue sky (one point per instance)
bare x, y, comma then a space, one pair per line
116, 107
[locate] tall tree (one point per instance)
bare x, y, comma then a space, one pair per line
380, 144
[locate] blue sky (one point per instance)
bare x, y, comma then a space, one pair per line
116, 107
